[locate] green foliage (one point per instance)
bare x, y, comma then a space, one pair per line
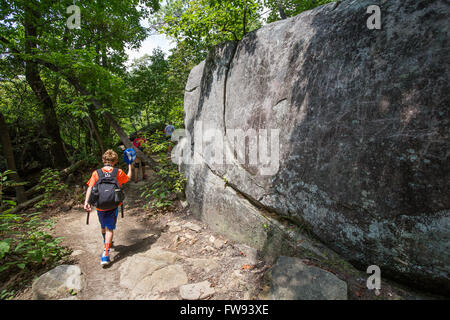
151, 88
25, 245
4, 184
170, 181
157, 143
23, 116
50, 183
290, 7
209, 22
90, 160
94, 56
73, 292
6, 294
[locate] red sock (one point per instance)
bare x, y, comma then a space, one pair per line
107, 247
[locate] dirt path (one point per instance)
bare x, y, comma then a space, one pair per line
171, 256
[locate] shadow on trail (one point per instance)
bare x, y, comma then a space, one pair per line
126, 251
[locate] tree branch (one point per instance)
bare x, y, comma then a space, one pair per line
281, 10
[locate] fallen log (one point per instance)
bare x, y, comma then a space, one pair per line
27, 204
35, 189
32, 191
62, 174
71, 169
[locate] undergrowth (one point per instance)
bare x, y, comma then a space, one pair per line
26, 247
170, 183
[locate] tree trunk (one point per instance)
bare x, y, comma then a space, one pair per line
37, 85
56, 91
88, 139
126, 141
8, 153
62, 175
104, 131
281, 10
80, 124
93, 122
27, 204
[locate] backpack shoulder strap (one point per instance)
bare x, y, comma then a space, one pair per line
100, 173
100, 176
114, 175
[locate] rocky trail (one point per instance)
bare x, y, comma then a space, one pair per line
173, 256
170, 256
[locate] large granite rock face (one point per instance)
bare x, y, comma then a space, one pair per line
363, 142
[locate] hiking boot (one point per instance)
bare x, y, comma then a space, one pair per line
105, 260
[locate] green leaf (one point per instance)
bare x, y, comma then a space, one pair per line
19, 246
4, 248
4, 267
21, 265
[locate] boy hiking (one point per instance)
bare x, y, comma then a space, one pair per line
104, 186
139, 163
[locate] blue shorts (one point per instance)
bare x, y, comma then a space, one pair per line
108, 218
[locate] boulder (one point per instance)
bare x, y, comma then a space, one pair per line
196, 291
136, 268
136, 273
204, 264
157, 253
336, 128
294, 280
58, 283
164, 279
250, 254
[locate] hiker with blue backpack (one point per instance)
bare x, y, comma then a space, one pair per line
105, 193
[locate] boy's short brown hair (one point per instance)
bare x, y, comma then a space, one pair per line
110, 157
